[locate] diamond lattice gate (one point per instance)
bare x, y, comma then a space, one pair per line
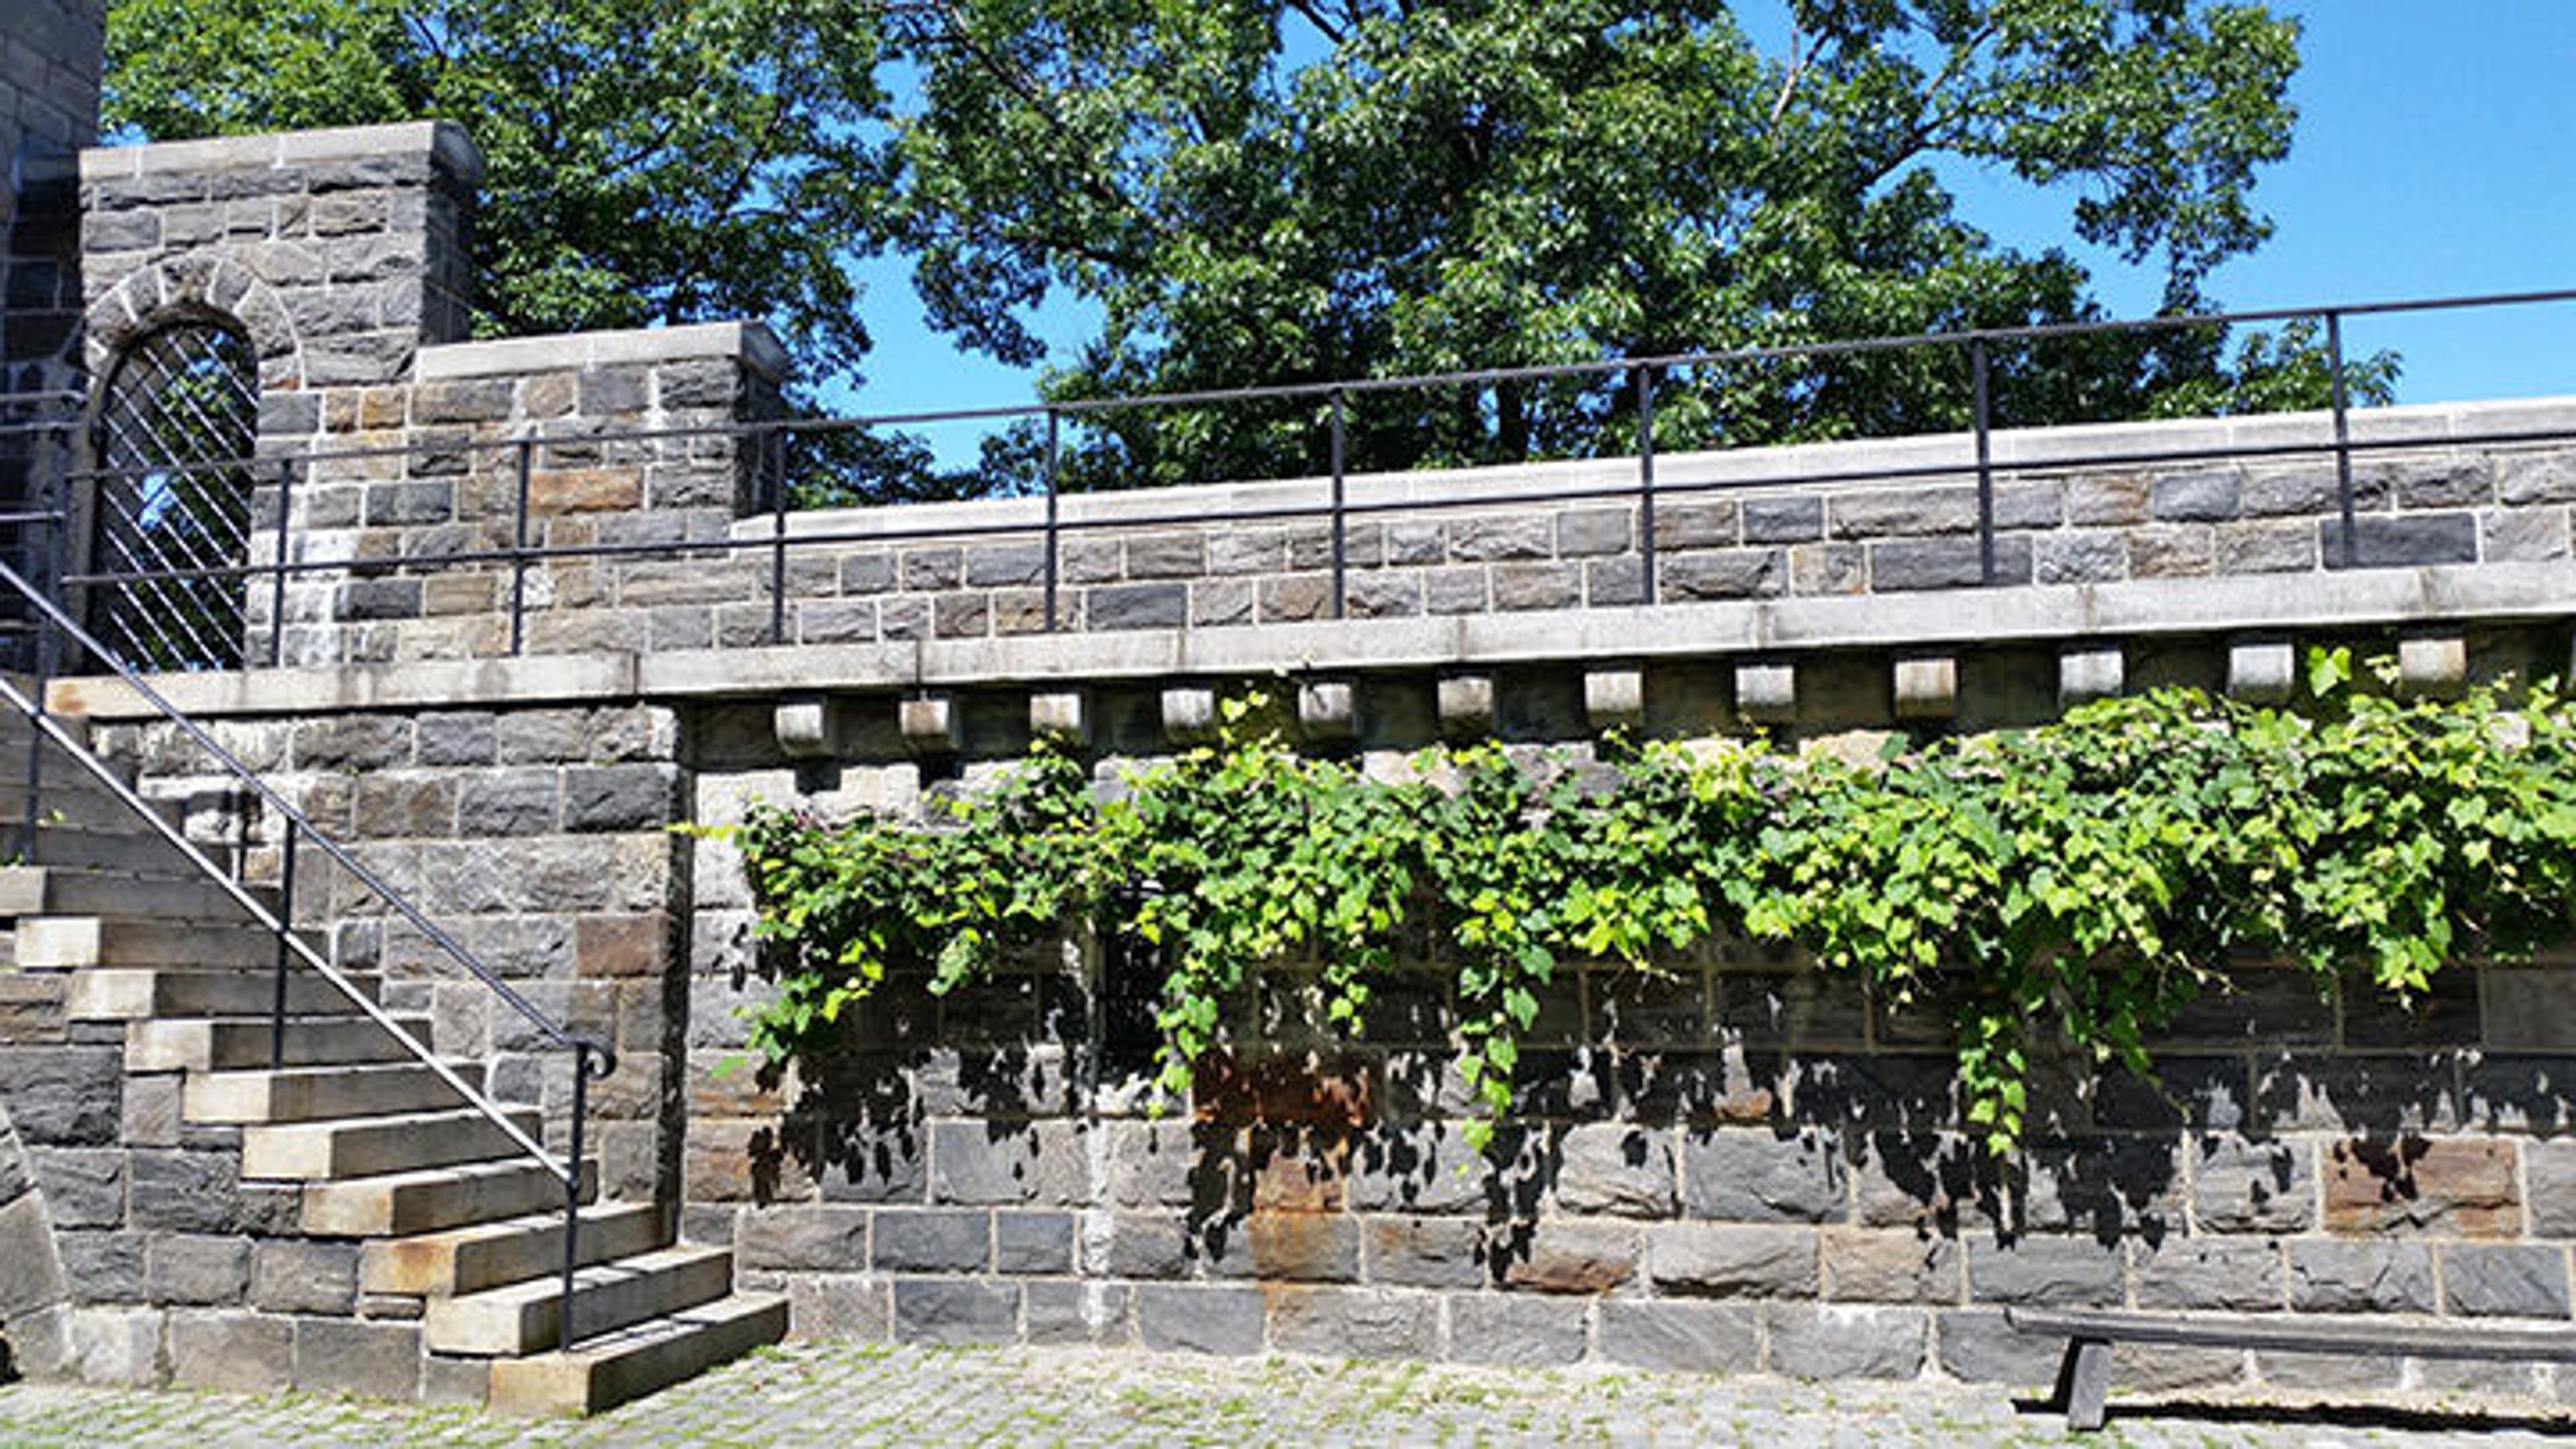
170, 523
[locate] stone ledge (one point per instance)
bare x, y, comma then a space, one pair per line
445, 141
749, 342
1967, 618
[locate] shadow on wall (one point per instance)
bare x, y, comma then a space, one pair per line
1763, 1095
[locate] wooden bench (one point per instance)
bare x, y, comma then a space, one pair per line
2084, 1377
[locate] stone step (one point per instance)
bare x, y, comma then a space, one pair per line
603, 1373
66, 942
432, 1200
242, 1044
33, 890
322, 1093
489, 1255
135, 851
525, 1318
375, 1146
116, 993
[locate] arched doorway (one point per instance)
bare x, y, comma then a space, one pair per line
170, 518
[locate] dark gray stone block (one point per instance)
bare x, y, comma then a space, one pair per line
1838, 1341
2211, 497
1514, 1331
1732, 1262
1193, 1319
1753, 1175
1680, 1337
2408, 541
2504, 1280
2331, 1276
933, 1240
955, 1310
1363, 1323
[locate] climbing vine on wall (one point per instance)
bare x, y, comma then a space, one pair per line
2085, 879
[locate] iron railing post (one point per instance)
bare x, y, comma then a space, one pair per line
1341, 502
285, 953
1977, 367
1646, 485
42, 662
773, 455
572, 1189
519, 547
1053, 527
277, 579
2343, 441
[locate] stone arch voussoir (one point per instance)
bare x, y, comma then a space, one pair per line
194, 286
34, 1294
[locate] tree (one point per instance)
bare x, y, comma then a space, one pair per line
648, 161
1264, 191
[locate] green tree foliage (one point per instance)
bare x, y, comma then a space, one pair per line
649, 161
2076, 884
1257, 191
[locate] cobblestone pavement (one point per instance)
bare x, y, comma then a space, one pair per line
843, 1394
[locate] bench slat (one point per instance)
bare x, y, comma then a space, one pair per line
2443, 1339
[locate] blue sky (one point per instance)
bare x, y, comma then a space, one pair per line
2435, 155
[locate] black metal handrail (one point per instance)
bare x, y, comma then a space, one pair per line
592, 1058
1649, 490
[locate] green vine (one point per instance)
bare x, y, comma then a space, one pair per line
2085, 879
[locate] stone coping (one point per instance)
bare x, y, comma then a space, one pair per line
1934, 459
751, 343
446, 143
1954, 619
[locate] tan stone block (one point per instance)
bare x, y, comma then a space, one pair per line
2453, 1186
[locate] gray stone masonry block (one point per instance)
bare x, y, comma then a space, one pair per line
1494, 538
1142, 606
1354, 1323
1077, 1313
1585, 532
2340, 1276
837, 1306
1189, 1318
935, 1240
620, 797
1831, 1342
1512, 1332
1878, 513
240, 1352
2212, 497
1043, 1162
461, 1382
84, 1186
1606, 1167
2230, 1274
2443, 483
804, 1237
2253, 1187
1731, 1262
2080, 557
2530, 478
1424, 1252
199, 1192
1978, 1347
2504, 1280
31, 1275
1722, 574
1754, 1175
366, 1360
1680, 1337
63, 1096
2052, 1271
1783, 520
2266, 548
2549, 1177
955, 1310
295, 1275
181, 1268
2407, 541
103, 1267
1898, 1266
1909, 564
1563, 1255
1030, 1242
120, 1346
2519, 535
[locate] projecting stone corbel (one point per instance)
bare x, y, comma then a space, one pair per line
1767, 693
1614, 699
929, 724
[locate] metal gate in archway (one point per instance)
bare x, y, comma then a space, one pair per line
170, 517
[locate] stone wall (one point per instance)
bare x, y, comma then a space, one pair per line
1751, 1164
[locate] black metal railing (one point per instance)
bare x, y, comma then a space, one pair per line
764, 446
591, 1058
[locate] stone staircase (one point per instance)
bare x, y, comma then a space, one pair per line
457, 1229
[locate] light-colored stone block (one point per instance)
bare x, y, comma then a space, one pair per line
1614, 698
803, 724
1927, 687
929, 724
1326, 709
1189, 713
2261, 671
2087, 672
2432, 665
1767, 693
1061, 715
1466, 705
